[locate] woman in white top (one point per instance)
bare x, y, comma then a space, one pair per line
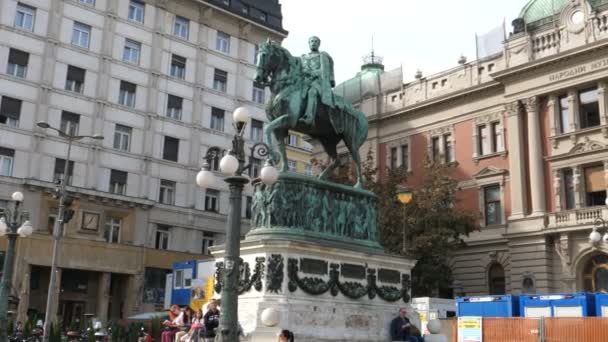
197, 324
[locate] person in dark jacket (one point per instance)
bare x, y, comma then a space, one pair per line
211, 320
401, 327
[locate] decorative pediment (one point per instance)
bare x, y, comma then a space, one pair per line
497, 116
587, 146
490, 171
442, 130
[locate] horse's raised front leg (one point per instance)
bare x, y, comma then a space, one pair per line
282, 122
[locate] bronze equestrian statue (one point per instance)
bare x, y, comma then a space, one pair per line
302, 100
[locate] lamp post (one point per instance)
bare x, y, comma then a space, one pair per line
11, 226
50, 299
404, 196
232, 166
600, 224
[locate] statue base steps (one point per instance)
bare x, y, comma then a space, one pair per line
319, 291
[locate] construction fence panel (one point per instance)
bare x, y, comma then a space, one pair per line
510, 329
588, 329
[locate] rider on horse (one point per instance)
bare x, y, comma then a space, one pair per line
318, 70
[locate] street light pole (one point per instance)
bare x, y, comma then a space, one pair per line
58, 225
12, 227
404, 196
233, 165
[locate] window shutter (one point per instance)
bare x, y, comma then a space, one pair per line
594, 179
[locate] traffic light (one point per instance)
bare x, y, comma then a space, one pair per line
68, 212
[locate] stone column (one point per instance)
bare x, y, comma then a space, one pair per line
573, 110
603, 102
103, 295
57, 293
24, 294
535, 158
576, 180
554, 120
606, 176
557, 189
133, 294
516, 160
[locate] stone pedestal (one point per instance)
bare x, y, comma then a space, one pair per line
312, 263
320, 292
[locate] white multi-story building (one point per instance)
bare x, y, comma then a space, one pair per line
159, 80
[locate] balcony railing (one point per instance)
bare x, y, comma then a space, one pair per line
576, 217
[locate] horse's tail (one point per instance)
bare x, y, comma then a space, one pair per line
359, 127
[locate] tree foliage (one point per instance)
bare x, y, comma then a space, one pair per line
429, 229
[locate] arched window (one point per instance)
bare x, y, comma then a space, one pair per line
595, 274
496, 279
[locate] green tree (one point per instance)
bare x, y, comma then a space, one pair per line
429, 229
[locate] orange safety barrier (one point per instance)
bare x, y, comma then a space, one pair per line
587, 329
556, 329
510, 329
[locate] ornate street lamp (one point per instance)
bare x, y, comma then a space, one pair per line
61, 193
600, 224
404, 196
11, 226
232, 165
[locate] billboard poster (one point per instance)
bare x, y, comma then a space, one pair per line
201, 292
469, 329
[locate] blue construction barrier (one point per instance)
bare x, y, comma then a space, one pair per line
557, 305
601, 304
488, 306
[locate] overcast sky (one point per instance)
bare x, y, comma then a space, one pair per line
429, 35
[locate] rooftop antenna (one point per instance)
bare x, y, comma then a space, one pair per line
372, 58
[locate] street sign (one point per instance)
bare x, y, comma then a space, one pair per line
470, 329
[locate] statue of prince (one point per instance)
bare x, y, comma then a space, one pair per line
302, 100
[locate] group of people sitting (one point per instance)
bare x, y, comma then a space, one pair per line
189, 326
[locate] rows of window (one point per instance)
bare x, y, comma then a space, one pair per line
578, 109
590, 192
75, 77
81, 36
10, 112
25, 17
397, 152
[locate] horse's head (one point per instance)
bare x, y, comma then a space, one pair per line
271, 56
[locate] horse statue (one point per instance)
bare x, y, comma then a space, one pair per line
283, 74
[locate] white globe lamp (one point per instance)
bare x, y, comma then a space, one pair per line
17, 196
229, 165
605, 238
269, 174
240, 115
595, 237
26, 229
205, 178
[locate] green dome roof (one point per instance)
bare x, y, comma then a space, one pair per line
537, 10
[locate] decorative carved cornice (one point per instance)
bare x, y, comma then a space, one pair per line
493, 117
441, 131
587, 146
512, 108
531, 104
490, 171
